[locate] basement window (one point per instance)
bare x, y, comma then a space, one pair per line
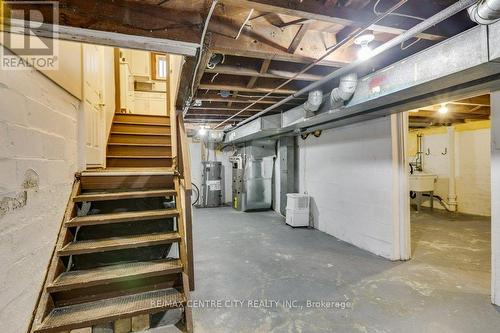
160, 66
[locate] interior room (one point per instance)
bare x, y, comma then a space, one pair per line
450, 190
249, 166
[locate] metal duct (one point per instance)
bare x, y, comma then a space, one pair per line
300, 112
344, 91
313, 101
396, 41
485, 11
472, 61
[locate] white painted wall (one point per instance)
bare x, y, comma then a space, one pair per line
69, 72
472, 167
350, 174
38, 131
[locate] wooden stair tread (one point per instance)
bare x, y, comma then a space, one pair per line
98, 219
139, 144
139, 123
139, 157
123, 195
114, 273
133, 133
142, 115
118, 243
108, 310
129, 171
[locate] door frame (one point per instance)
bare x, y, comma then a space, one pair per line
401, 201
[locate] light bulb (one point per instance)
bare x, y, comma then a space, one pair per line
202, 131
365, 52
443, 109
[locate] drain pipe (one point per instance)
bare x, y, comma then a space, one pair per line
421, 27
485, 11
452, 194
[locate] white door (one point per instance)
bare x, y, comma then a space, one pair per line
93, 95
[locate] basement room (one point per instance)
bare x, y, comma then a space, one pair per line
250, 166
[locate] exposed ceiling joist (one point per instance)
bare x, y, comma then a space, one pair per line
298, 38
208, 86
235, 100
207, 108
263, 69
274, 74
315, 10
265, 41
123, 17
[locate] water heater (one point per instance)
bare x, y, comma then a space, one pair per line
212, 184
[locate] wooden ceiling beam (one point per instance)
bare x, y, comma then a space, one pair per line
294, 22
265, 41
236, 100
483, 100
125, 17
219, 113
209, 86
209, 109
298, 38
272, 73
263, 69
450, 115
315, 10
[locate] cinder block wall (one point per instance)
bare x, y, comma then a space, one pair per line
348, 172
38, 159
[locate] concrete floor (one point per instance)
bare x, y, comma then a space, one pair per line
255, 256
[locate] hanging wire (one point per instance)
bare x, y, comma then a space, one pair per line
376, 12
213, 77
403, 47
244, 23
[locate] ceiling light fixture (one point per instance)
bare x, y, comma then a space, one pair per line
443, 109
202, 130
365, 51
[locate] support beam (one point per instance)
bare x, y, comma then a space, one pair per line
122, 17
315, 10
265, 41
208, 109
298, 38
208, 86
272, 73
263, 69
238, 100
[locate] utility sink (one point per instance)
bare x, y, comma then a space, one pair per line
422, 182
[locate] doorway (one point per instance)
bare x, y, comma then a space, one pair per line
449, 158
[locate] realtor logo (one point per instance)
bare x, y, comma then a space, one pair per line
29, 35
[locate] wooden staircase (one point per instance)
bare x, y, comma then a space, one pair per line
139, 141
114, 259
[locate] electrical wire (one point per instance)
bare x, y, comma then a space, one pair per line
350, 37
376, 12
403, 47
202, 42
197, 194
244, 23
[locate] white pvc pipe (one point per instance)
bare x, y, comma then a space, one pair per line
452, 194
